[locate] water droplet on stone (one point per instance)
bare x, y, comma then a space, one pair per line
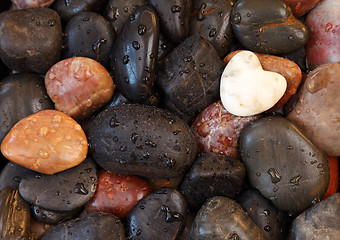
136, 45
175, 9
171, 216
236, 19
126, 59
295, 180
80, 189
274, 175
141, 29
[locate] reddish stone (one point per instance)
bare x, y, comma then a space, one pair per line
323, 23
301, 7
218, 131
117, 194
289, 69
317, 112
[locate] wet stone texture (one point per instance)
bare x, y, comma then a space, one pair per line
222, 218
283, 164
213, 175
142, 140
174, 18
134, 55
101, 226
267, 26
317, 112
161, 215
211, 19
323, 24
318, 222
63, 191
273, 222
218, 131
189, 77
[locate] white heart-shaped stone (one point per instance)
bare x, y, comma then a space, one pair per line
246, 89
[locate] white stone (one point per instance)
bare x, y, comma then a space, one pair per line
246, 89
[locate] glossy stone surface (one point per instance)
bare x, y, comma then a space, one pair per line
222, 218
117, 12
63, 191
48, 142
101, 226
301, 7
117, 194
21, 94
323, 23
134, 55
287, 68
283, 164
141, 140
174, 18
321, 221
53, 217
211, 19
161, 215
213, 175
69, 8
12, 174
217, 130
317, 112
89, 35
30, 45
267, 26
246, 89
189, 77
14, 215
273, 222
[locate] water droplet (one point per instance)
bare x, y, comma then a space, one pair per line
266, 212
320, 165
290, 148
258, 45
188, 59
267, 228
38, 176
275, 189
295, 180
51, 23
18, 208
85, 19
134, 137
123, 148
114, 122
171, 216
236, 19
97, 45
201, 14
141, 29
126, 59
258, 174
233, 236
170, 162
248, 14
328, 27
275, 175
316, 200
136, 45
80, 189
132, 17
162, 191
139, 232
175, 9
291, 37
212, 32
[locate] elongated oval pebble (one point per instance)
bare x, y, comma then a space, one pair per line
246, 89
48, 142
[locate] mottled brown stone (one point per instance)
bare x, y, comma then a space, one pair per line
317, 112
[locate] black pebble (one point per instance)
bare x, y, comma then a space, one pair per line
31, 39
62, 191
99, 226
160, 215
211, 175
